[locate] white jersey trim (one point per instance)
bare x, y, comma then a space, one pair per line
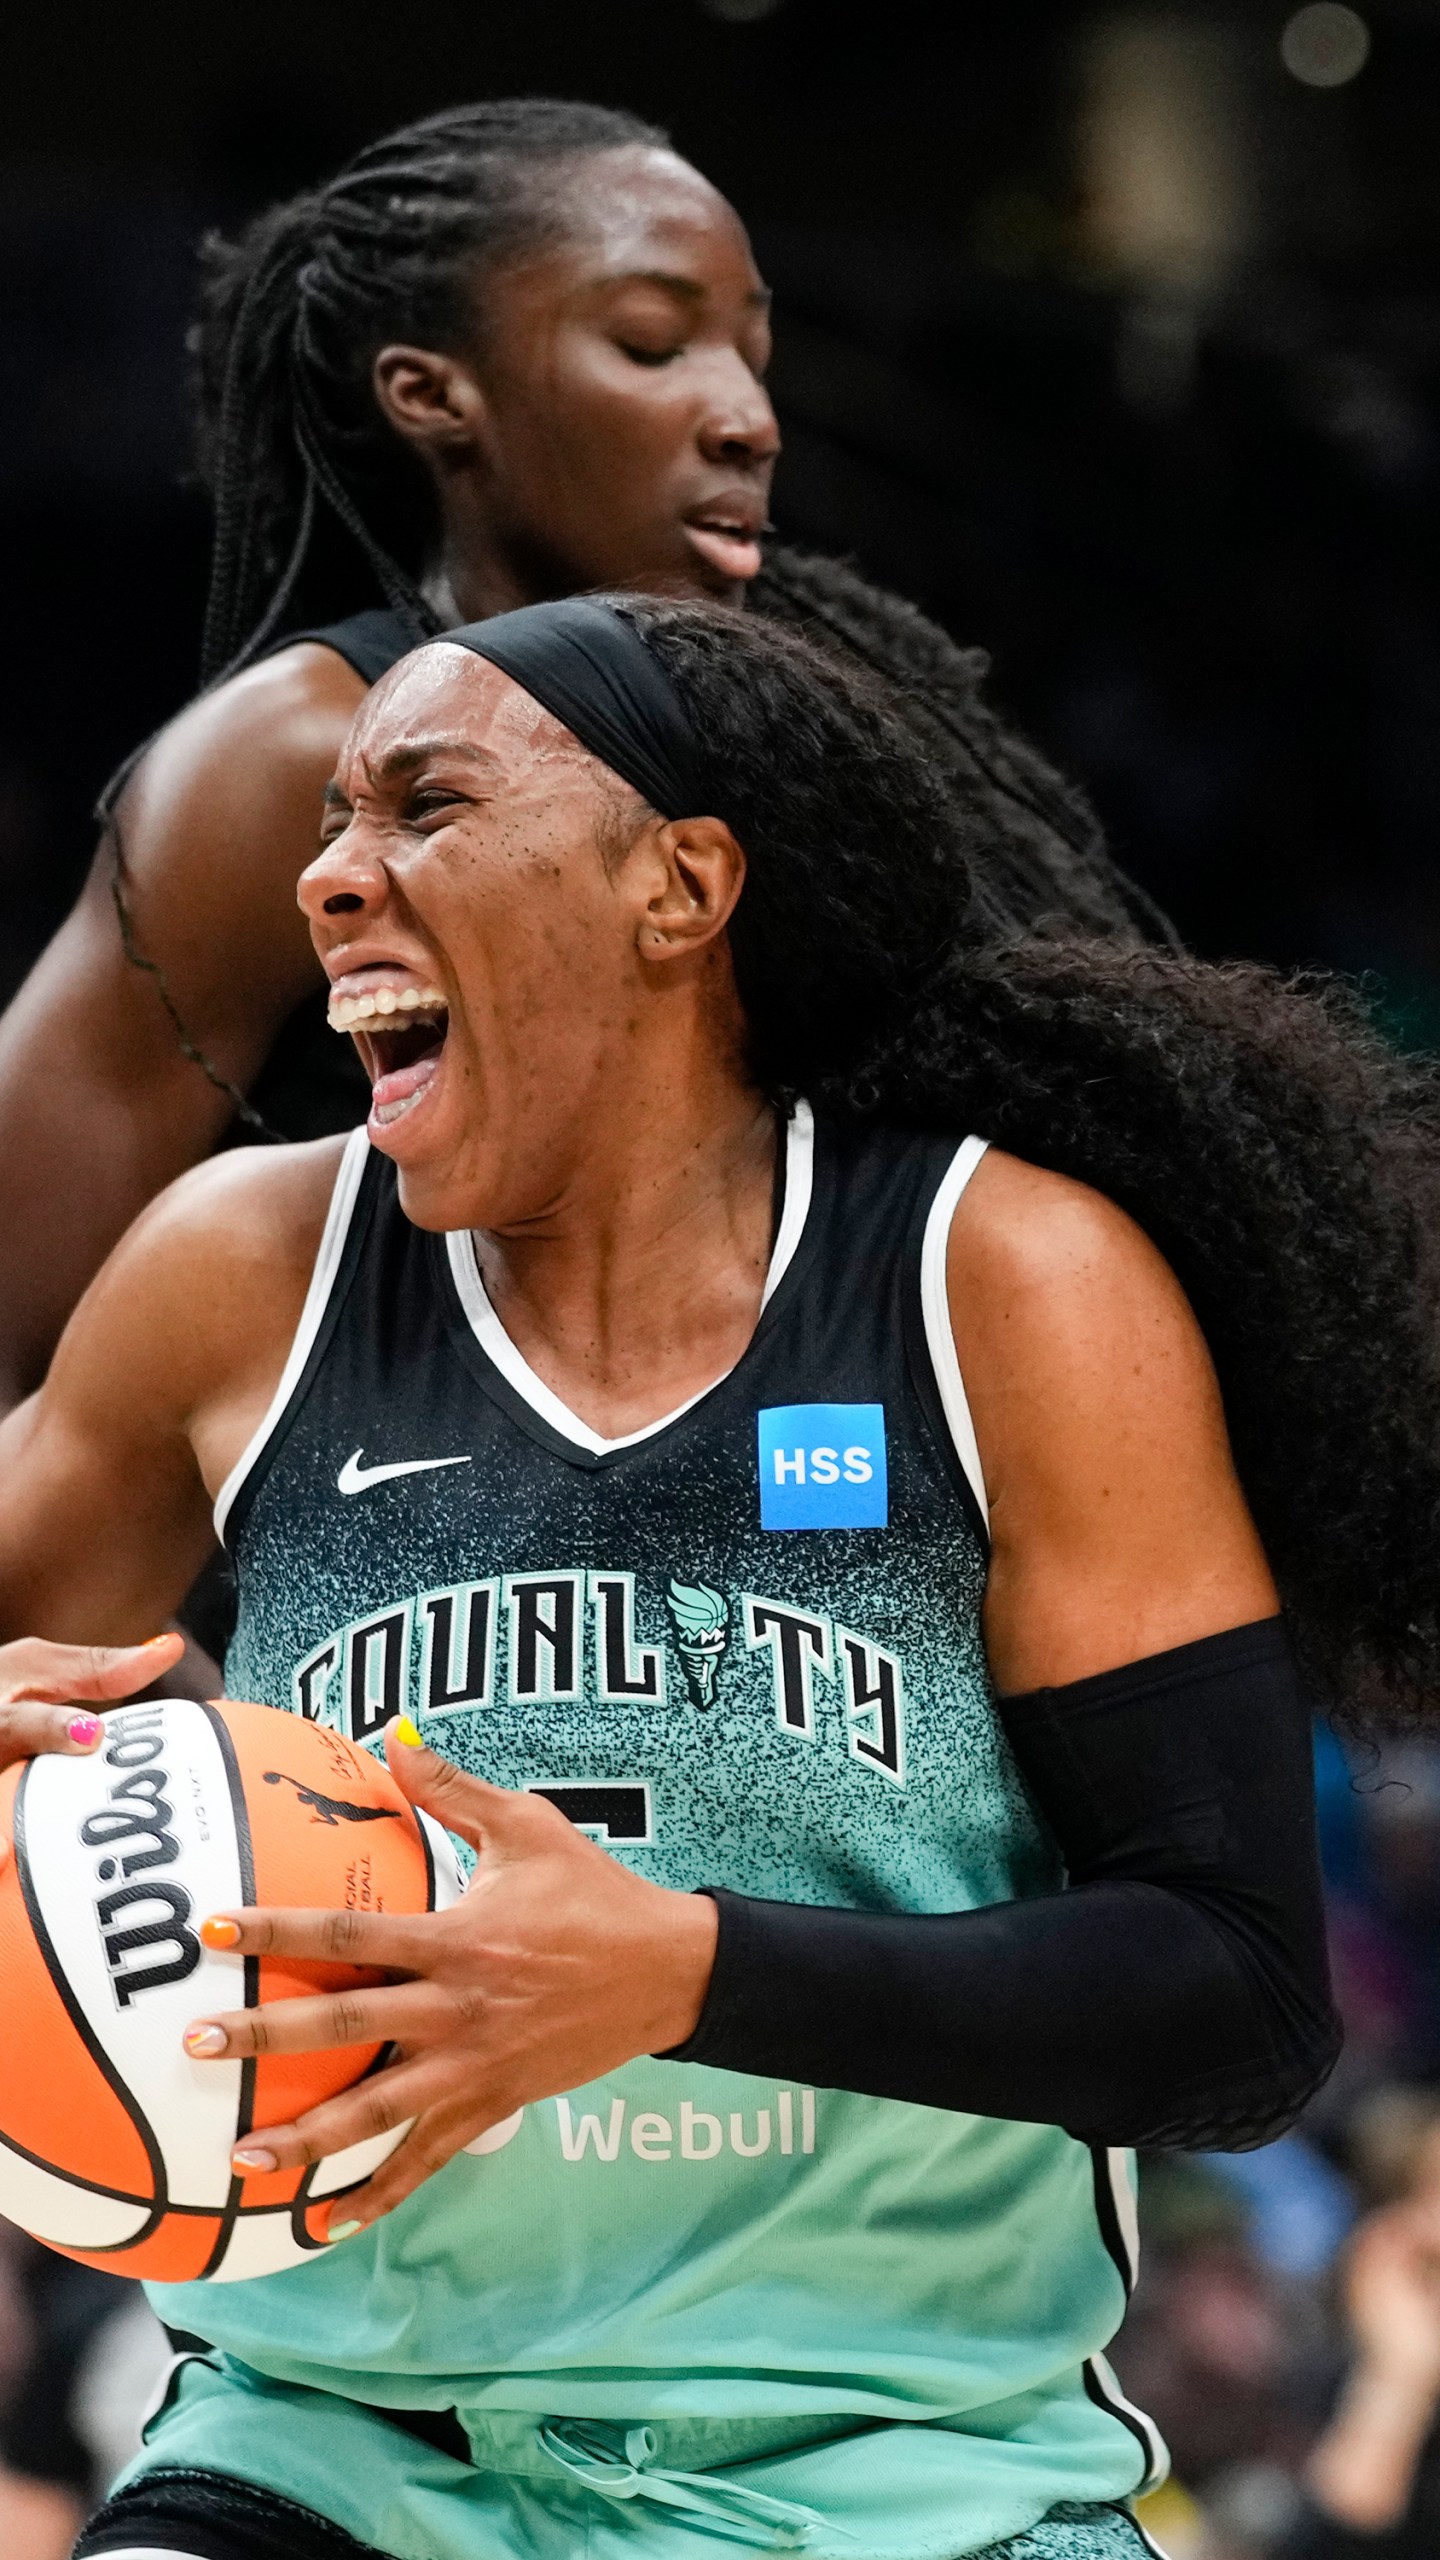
511, 1362
795, 1209
317, 1299
935, 1307
1122, 2195
1106, 2393
150, 2551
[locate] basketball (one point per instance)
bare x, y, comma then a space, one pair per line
114, 2144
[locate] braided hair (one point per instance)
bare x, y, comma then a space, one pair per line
1283, 1158
292, 317
319, 504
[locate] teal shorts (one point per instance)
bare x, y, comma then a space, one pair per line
569, 2488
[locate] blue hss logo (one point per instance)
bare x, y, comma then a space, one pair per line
822, 1466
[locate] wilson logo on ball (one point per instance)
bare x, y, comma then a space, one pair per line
137, 1810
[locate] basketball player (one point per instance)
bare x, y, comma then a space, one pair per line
507, 353
667, 1416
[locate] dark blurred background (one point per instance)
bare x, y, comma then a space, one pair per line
1112, 336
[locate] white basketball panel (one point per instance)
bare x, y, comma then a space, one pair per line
260, 2244
347, 2168
53, 2208
449, 1880
141, 1837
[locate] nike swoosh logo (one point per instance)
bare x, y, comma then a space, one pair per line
353, 1478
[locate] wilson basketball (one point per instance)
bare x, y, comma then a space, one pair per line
114, 2144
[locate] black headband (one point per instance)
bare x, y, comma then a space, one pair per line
589, 666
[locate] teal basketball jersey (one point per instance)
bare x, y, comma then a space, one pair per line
741, 1647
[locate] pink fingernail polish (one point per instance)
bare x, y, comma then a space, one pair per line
254, 2161
85, 1731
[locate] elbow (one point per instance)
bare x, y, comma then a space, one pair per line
1231, 2102
1298, 2067
1260, 2029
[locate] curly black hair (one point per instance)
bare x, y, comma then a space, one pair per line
1282, 1157
320, 506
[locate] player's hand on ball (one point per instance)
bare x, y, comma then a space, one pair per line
47, 1691
557, 1965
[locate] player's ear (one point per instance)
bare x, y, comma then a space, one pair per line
697, 871
434, 401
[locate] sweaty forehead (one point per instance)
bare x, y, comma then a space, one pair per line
444, 704
629, 210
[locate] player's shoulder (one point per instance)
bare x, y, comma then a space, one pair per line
205, 1288
1052, 1263
250, 1218
285, 718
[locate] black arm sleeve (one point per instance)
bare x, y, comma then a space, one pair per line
1176, 1995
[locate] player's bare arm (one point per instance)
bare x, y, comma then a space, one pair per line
1118, 1526
217, 825
107, 1473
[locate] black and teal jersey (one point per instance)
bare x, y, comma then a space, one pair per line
742, 1647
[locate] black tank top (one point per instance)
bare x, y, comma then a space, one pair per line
776, 1588
312, 1085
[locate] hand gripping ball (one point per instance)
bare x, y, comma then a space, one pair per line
114, 2145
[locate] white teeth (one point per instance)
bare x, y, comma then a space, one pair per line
346, 1012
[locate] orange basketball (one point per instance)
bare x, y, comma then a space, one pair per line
114, 2144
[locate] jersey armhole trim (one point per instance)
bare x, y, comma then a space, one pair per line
935, 1311
312, 1316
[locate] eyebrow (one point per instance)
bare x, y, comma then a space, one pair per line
686, 286
397, 761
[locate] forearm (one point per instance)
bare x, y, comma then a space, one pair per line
1117, 2011
1176, 1995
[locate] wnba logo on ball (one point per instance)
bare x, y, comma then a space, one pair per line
137, 1811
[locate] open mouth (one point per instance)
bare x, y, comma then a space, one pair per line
400, 1033
731, 544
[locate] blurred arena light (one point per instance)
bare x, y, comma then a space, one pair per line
1325, 44
1166, 157
741, 13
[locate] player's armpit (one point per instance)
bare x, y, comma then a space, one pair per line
99, 1106
1118, 1525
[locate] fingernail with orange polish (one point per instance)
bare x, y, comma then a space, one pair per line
222, 1935
255, 2161
205, 2040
